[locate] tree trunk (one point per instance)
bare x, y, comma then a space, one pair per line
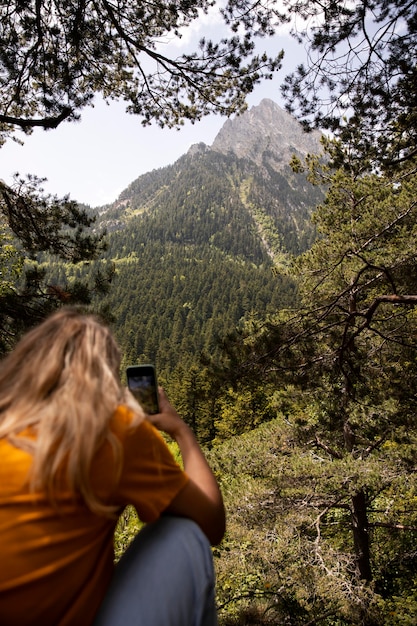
361, 535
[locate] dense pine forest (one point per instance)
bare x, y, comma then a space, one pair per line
197, 254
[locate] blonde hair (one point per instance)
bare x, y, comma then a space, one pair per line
61, 384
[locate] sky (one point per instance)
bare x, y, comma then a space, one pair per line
95, 159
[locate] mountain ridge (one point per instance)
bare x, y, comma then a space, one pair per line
249, 161
266, 129
266, 135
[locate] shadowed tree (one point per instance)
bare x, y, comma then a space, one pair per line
32, 224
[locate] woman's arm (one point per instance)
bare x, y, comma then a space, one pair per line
200, 499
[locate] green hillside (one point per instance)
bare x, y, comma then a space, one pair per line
197, 247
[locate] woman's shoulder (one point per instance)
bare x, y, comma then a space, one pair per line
138, 436
126, 423
124, 419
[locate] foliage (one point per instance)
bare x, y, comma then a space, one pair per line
286, 558
352, 279
349, 352
34, 224
11, 260
43, 223
360, 76
57, 55
128, 526
241, 410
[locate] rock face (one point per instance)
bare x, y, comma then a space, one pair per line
266, 134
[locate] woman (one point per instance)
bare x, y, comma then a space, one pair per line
75, 448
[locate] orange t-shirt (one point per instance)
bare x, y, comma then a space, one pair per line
56, 564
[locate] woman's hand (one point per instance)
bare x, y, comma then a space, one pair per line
200, 499
167, 419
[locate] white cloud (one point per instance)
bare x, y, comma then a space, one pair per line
211, 21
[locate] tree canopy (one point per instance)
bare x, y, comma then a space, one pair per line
360, 75
55, 56
34, 224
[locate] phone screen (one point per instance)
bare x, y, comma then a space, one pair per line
141, 380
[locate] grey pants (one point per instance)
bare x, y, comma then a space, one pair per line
165, 578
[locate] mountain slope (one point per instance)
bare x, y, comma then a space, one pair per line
202, 245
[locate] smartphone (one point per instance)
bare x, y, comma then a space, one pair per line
141, 380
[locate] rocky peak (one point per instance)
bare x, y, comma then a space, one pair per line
266, 133
198, 148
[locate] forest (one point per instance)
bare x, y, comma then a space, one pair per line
278, 307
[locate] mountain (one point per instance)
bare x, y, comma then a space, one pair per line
266, 135
249, 162
202, 246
